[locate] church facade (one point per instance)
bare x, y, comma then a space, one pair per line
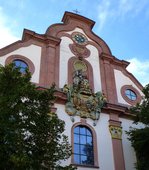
94, 90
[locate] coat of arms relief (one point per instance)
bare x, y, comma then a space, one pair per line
81, 101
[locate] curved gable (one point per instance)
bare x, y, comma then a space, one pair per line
72, 21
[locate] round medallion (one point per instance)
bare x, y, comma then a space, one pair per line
80, 65
79, 38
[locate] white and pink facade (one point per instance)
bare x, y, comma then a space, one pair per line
52, 58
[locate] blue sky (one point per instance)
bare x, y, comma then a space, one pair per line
123, 24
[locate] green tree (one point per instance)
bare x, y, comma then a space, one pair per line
31, 137
140, 137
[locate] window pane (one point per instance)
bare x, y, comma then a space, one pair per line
88, 132
90, 160
20, 64
82, 139
83, 159
130, 94
89, 140
83, 130
90, 151
77, 159
127, 92
76, 130
83, 149
76, 148
76, 138
133, 97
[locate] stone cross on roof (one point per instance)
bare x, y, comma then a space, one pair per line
76, 11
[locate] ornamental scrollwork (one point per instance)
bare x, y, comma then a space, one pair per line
81, 101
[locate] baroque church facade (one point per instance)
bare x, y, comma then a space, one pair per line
94, 90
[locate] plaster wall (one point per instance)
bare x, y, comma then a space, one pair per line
66, 54
93, 59
129, 153
104, 143
32, 52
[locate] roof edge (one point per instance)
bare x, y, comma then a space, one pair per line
68, 15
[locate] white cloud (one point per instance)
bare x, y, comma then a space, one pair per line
7, 36
103, 9
113, 9
131, 8
140, 69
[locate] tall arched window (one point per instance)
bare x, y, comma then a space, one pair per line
83, 146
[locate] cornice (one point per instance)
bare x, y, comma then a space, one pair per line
71, 16
112, 59
121, 110
28, 38
28, 34
70, 22
120, 65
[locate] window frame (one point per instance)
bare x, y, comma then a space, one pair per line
129, 101
94, 137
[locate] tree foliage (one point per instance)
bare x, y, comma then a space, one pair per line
140, 137
31, 137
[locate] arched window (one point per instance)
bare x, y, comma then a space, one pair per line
21, 65
83, 146
22, 62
